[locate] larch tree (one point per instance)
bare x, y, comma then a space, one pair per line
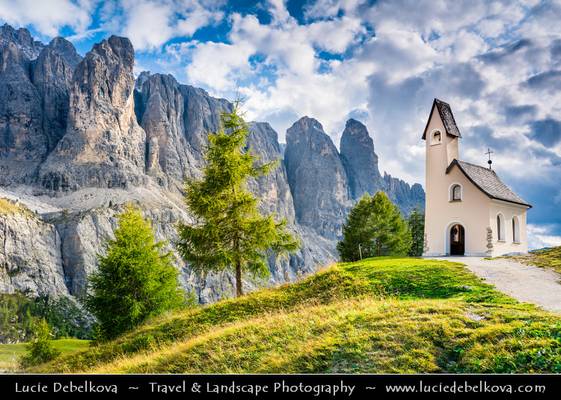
229, 232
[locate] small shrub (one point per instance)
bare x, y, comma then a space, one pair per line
40, 349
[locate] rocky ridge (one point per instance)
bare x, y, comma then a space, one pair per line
79, 137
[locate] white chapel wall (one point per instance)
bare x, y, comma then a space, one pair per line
508, 244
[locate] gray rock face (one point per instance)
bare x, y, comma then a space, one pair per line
361, 164
325, 184
273, 190
29, 47
317, 178
406, 197
22, 142
103, 145
34, 84
360, 160
202, 115
30, 256
159, 110
177, 119
52, 76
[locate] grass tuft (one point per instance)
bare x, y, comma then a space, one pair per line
543, 258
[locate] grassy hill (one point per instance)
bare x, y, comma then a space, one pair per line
11, 353
378, 315
544, 258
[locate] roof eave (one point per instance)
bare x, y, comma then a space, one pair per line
455, 162
510, 201
435, 104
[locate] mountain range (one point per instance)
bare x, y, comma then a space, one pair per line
81, 136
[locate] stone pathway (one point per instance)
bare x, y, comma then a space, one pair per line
525, 283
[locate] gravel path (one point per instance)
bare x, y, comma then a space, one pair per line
523, 282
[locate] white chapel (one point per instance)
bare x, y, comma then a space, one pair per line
469, 210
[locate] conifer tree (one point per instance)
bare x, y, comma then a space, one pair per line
229, 233
416, 222
136, 279
357, 242
375, 227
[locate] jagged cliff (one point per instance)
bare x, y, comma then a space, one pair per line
317, 178
80, 137
360, 160
103, 145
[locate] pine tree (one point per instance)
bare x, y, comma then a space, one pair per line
135, 280
376, 227
229, 233
391, 233
357, 242
416, 224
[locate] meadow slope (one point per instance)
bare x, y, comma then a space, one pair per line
378, 315
545, 258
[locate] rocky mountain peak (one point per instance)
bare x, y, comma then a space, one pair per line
306, 125
116, 48
317, 177
103, 145
141, 79
22, 142
65, 50
273, 189
106, 74
52, 74
22, 39
360, 159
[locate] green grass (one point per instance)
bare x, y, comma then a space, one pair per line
378, 315
10, 353
545, 258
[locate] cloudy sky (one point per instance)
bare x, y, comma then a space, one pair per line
498, 63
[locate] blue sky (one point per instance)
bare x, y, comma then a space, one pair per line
498, 63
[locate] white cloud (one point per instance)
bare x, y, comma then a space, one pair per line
48, 17
299, 82
151, 23
325, 9
218, 65
148, 24
541, 236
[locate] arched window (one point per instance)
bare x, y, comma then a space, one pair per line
515, 230
456, 192
436, 137
500, 227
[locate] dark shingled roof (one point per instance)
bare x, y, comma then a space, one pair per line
488, 182
447, 118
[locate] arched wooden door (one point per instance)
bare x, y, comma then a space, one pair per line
457, 240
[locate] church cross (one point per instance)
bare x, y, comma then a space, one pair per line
489, 152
